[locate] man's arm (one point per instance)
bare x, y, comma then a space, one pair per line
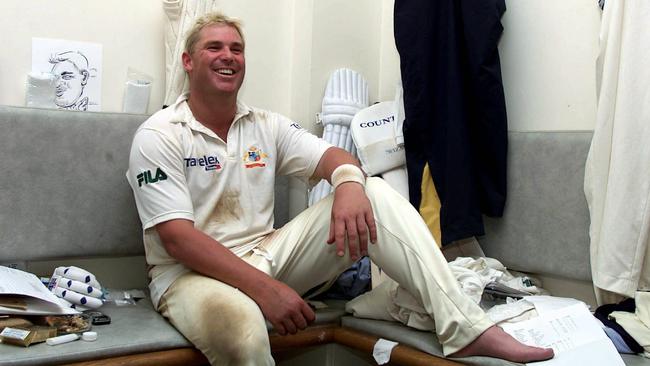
280, 304
352, 214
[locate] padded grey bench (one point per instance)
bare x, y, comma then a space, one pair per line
544, 230
64, 195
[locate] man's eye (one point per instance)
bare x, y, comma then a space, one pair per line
67, 77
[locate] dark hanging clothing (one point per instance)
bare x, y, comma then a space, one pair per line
455, 107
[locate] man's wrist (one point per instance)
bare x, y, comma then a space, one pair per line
347, 173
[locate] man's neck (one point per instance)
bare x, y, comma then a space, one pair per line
216, 114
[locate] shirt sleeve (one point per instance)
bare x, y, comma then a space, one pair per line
298, 150
157, 177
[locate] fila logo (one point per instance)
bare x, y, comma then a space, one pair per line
296, 126
146, 178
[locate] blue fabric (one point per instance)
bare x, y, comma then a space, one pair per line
618, 341
351, 283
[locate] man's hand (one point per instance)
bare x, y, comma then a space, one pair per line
284, 308
352, 216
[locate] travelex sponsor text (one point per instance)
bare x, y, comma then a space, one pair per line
208, 162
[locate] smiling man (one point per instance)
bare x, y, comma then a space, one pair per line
202, 172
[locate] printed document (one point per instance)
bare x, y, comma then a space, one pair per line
23, 293
574, 334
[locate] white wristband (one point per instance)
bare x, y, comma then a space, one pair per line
347, 173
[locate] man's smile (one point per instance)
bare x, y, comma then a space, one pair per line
224, 71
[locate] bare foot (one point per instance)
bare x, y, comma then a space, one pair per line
495, 342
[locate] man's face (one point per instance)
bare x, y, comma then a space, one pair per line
70, 82
217, 64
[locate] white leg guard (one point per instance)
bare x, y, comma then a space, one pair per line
373, 131
346, 94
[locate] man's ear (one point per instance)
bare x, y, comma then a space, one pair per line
86, 76
187, 62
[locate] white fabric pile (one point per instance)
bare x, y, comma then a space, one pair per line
388, 301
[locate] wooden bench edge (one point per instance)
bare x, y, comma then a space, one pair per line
312, 336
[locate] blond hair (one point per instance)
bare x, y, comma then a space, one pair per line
209, 19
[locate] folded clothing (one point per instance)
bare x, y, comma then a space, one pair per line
628, 305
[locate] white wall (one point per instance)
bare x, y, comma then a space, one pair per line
548, 52
268, 29
130, 32
548, 60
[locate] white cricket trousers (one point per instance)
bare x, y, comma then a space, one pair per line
229, 328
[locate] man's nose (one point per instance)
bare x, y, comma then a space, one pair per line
226, 54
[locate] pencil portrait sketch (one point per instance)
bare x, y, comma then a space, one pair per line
70, 69
76, 70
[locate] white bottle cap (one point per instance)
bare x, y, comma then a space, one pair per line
89, 336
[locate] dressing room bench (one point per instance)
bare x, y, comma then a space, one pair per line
65, 197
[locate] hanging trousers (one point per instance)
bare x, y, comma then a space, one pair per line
455, 107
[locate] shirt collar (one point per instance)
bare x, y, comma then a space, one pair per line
181, 113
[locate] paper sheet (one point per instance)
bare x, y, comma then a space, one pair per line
572, 332
382, 350
39, 300
547, 304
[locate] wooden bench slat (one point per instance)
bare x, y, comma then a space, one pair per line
312, 336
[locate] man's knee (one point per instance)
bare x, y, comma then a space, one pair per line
236, 335
221, 321
247, 347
